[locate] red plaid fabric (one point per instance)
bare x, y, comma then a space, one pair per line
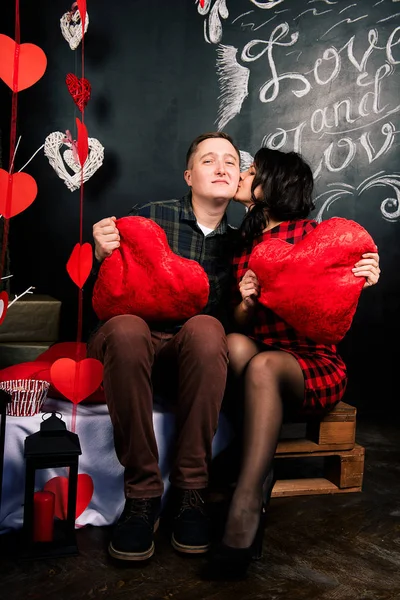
324, 370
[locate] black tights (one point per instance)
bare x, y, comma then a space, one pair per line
267, 379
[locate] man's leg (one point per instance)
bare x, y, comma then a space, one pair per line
200, 351
124, 346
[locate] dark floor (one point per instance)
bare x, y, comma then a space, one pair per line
340, 547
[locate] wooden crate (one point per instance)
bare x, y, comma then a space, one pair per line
335, 431
332, 439
343, 472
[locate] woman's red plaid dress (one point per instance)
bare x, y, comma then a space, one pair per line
323, 369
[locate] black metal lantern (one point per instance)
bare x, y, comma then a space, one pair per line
5, 398
51, 447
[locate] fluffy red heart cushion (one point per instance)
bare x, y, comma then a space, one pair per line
144, 277
310, 284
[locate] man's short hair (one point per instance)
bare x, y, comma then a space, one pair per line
206, 136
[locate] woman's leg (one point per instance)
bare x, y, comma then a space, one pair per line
269, 378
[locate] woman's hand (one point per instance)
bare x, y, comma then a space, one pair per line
368, 267
249, 289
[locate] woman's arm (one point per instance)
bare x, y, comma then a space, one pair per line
368, 267
249, 289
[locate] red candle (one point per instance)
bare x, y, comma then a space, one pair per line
43, 516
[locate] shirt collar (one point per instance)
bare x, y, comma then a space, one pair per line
187, 214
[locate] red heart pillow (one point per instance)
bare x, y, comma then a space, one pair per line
144, 277
310, 284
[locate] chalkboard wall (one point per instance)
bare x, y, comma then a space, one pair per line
317, 76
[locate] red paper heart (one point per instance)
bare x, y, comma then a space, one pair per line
17, 192
83, 142
3, 306
76, 380
202, 3
80, 90
310, 284
59, 487
80, 263
145, 278
31, 63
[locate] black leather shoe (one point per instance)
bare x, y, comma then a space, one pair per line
191, 527
133, 535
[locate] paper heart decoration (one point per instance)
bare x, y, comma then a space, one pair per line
71, 28
74, 350
52, 149
80, 90
76, 380
145, 278
80, 263
3, 306
83, 142
310, 284
32, 63
82, 10
59, 487
22, 189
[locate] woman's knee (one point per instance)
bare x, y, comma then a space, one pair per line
241, 350
263, 368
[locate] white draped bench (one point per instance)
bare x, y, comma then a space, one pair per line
98, 459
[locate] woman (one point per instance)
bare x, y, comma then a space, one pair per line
278, 369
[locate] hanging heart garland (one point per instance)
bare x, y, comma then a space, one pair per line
52, 149
71, 28
80, 90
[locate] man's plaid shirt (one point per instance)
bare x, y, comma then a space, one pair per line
213, 252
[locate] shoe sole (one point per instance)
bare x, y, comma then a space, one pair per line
189, 549
133, 556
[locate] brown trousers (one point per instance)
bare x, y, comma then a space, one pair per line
190, 367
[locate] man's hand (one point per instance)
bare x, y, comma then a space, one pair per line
249, 289
106, 238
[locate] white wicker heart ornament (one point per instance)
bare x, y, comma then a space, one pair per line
64, 163
71, 28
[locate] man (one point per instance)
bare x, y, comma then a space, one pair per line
193, 355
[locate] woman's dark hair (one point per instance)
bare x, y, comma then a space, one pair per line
287, 184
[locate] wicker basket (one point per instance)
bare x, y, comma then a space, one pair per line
27, 396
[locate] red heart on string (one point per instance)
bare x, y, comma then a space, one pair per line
80, 263
76, 380
202, 3
22, 194
32, 63
83, 142
3, 306
80, 90
59, 487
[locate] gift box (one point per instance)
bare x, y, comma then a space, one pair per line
13, 353
27, 396
33, 318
